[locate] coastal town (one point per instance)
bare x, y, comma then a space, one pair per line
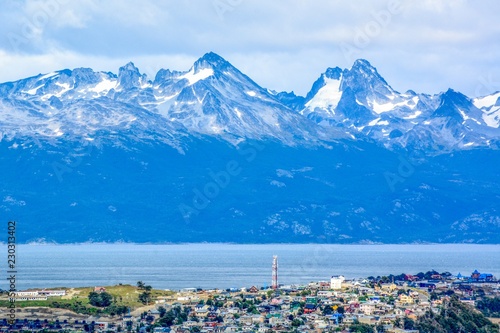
373, 304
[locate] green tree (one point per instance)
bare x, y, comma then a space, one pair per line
297, 322
489, 306
361, 328
429, 274
408, 324
162, 311
106, 299
145, 297
168, 319
94, 298
455, 316
103, 299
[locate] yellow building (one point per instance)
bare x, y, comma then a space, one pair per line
405, 299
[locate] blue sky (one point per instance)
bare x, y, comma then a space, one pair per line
426, 45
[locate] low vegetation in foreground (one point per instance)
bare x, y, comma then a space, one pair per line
111, 300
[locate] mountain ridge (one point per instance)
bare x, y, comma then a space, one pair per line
214, 98
207, 154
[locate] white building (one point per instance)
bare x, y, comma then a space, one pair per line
325, 293
52, 293
336, 282
26, 293
39, 293
367, 308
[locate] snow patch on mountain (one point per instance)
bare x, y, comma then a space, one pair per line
492, 117
490, 106
328, 96
487, 101
104, 86
194, 77
381, 108
414, 115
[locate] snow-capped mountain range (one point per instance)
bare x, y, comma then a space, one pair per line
209, 155
214, 98
360, 100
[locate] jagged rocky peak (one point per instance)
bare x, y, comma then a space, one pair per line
450, 93
129, 76
363, 64
129, 67
212, 61
362, 69
85, 76
163, 74
453, 104
290, 99
456, 98
333, 73
329, 74
364, 78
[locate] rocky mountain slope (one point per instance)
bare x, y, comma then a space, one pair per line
208, 155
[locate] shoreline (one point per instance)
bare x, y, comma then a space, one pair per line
246, 244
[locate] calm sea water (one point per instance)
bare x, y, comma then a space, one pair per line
227, 265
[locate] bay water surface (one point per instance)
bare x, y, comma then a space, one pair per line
179, 266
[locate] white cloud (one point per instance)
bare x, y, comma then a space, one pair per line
59, 13
283, 45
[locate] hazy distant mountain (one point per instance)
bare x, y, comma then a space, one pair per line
209, 155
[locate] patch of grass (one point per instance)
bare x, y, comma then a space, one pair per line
123, 295
24, 304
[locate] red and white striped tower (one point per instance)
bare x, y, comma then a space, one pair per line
275, 272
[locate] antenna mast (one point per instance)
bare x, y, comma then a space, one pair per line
275, 272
